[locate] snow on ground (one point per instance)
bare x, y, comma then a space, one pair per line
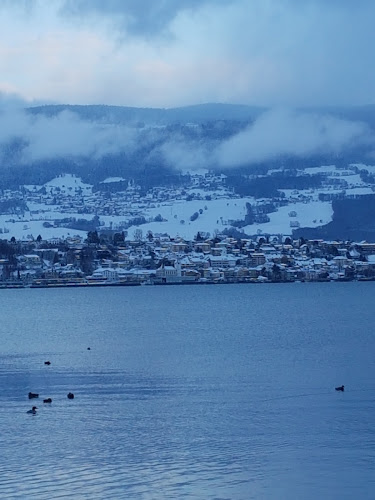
308, 215
216, 216
362, 166
359, 191
198, 171
23, 230
68, 182
217, 213
109, 180
206, 192
324, 169
353, 179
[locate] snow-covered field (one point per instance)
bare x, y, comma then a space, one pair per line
25, 229
307, 215
216, 215
66, 184
304, 209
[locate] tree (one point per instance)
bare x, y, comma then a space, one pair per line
118, 238
86, 260
276, 272
288, 241
249, 217
138, 234
93, 237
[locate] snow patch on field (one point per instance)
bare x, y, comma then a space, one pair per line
67, 183
216, 215
312, 214
110, 180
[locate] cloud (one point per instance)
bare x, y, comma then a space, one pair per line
277, 133
178, 52
185, 155
9, 99
138, 17
280, 132
63, 136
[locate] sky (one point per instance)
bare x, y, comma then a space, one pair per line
292, 57
169, 53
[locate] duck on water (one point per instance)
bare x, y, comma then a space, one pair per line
33, 410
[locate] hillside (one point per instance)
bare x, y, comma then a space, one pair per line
200, 113
272, 159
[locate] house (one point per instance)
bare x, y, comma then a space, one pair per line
168, 274
221, 262
257, 259
190, 275
178, 246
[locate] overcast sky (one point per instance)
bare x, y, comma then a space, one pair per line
178, 52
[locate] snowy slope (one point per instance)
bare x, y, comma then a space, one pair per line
215, 214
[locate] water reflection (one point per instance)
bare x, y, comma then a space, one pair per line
191, 401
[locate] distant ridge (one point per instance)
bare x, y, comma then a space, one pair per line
199, 113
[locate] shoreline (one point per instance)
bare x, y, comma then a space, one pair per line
4, 286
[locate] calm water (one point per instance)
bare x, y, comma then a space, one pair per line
205, 392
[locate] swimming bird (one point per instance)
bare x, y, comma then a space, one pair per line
341, 388
47, 362
33, 410
32, 395
89, 348
70, 395
48, 400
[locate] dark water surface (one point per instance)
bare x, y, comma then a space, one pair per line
210, 392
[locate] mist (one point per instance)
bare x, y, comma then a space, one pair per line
276, 133
62, 136
283, 132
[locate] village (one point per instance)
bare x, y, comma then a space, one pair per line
160, 259
68, 233
204, 201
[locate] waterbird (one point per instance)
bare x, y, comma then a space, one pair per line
33, 410
48, 400
89, 348
70, 395
340, 388
32, 395
47, 362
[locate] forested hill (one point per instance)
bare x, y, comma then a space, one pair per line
153, 146
353, 219
200, 113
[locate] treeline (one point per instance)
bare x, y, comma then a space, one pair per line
270, 186
353, 219
13, 206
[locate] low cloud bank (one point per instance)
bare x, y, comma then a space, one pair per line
62, 136
275, 134
278, 133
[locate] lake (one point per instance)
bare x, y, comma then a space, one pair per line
198, 392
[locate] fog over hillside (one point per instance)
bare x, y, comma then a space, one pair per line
214, 136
